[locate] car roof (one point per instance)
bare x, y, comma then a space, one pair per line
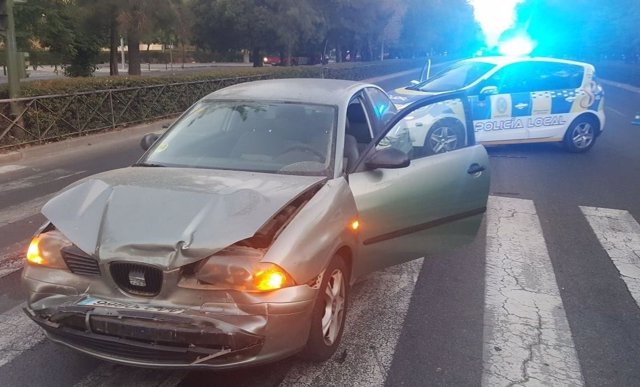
504, 60
308, 90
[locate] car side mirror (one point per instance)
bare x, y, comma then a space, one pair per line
148, 140
388, 158
488, 90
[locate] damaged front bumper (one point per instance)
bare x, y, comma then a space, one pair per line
244, 330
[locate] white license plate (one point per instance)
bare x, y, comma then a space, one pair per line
91, 301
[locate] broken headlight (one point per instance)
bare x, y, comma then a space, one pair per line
240, 268
45, 249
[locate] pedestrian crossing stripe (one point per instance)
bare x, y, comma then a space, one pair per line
524, 315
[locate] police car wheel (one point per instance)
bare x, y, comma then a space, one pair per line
444, 136
581, 135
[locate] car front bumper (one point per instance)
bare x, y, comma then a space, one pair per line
245, 330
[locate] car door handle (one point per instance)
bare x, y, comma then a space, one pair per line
475, 168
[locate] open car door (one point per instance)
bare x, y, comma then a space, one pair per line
413, 202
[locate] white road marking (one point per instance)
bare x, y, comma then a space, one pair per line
12, 257
619, 235
38, 179
10, 168
527, 339
113, 375
19, 334
618, 112
23, 210
374, 322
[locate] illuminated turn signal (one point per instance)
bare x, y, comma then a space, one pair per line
271, 277
355, 225
33, 253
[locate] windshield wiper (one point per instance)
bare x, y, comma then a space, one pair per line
147, 165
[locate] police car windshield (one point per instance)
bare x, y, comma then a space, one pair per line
455, 77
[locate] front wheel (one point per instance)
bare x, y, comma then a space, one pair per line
581, 135
329, 312
444, 136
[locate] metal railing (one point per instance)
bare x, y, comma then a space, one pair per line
45, 118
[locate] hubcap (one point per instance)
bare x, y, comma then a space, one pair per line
582, 135
334, 307
443, 140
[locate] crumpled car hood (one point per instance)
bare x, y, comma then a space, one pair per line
169, 217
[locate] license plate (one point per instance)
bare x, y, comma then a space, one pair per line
91, 301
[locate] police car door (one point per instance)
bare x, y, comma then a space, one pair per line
433, 204
501, 105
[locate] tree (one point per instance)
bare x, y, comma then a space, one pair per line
235, 24
294, 21
65, 29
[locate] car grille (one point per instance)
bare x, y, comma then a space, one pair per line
121, 349
79, 262
137, 279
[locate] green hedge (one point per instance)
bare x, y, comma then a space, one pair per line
353, 71
83, 105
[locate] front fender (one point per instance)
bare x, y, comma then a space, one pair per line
318, 231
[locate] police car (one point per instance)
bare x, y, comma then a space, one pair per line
511, 100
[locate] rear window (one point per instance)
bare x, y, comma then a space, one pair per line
557, 76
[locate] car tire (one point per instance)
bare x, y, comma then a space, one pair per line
581, 135
329, 312
444, 136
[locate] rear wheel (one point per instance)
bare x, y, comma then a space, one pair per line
581, 134
329, 312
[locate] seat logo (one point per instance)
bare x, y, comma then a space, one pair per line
136, 278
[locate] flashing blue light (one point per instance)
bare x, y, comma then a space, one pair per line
518, 46
381, 109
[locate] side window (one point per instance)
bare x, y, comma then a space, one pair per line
358, 131
431, 130
513, 78
383, 108
557, 76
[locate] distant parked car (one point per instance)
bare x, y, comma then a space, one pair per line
513, 100
271, 60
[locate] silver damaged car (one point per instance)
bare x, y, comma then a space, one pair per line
234, 240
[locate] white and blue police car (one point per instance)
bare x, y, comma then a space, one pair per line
512, 100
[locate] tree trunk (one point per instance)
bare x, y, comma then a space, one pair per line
289, 45
113, 46
183, 52
257, 58
133, 41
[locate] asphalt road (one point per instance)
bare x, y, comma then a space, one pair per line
546, 265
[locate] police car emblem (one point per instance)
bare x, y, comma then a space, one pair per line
136, 278
501, 105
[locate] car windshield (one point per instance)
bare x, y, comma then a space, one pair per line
272, 137
459, 75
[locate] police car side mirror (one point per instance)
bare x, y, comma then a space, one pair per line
488, 90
